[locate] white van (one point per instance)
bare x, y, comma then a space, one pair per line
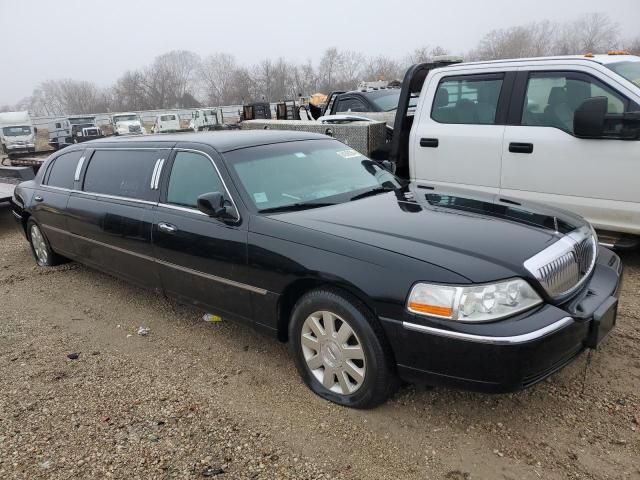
166, 122
508, 128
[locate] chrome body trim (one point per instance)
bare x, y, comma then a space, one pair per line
563, 267
182, 209
511, 340
215, 278
158, 174
224, 184
115, 197
153, 175
76, 177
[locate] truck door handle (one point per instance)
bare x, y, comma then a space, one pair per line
515, 147
429, 142
167, 227
38, 198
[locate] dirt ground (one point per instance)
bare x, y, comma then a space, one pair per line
217, 400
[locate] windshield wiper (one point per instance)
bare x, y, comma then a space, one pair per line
295, 207
372, 192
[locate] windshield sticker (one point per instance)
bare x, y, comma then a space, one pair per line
349, 153
260, 197
300, 155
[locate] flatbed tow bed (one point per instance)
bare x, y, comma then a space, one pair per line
34, 160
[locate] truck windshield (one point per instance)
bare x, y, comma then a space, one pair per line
628, 70
125, 118
306, 174
81, 120
166, 118
16, 131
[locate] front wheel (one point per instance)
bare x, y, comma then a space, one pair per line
45, 257
340, 350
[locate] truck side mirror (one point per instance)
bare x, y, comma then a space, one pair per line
212, 204
589, 118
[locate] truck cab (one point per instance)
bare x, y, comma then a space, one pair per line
558, 130
127, 124
166, 122
206, 119
17, 133
83, 128
374, 100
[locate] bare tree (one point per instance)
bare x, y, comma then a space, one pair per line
328, 68
218, 76
382, 67
425, 54
633, 46
593, 32
128, 92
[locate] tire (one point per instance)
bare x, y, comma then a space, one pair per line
44, 256
354, 352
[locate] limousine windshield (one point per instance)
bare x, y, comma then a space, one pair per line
306, 174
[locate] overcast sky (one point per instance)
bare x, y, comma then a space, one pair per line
99, 40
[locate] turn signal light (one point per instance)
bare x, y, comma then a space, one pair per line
431, 309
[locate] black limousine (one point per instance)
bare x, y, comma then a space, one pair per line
370, 278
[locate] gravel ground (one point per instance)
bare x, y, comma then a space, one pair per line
217, 400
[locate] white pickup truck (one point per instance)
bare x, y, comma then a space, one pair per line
558, 130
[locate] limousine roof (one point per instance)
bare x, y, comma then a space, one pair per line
222, 141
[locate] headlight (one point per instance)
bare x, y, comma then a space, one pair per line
477, 303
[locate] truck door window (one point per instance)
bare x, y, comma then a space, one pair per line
468, 99
552, 98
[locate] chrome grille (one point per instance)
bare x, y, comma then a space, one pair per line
564, 266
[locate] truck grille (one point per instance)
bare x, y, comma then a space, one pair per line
134, 129
564, 266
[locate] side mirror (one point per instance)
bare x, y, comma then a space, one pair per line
589, 118
212, 204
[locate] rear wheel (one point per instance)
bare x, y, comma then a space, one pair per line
45, 257
340, 350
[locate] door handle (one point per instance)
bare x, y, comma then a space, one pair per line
515, 147
429, 142
38, 198
167, 227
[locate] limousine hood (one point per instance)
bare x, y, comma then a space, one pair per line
480, 237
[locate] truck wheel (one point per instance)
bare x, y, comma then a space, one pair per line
45, 257
340, 350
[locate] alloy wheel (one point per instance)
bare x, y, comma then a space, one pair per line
333, 352
39, 245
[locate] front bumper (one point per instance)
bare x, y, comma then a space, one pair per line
510, 354
27, 147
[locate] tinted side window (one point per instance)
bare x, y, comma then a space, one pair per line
467, 100
551, 99
63, 170
124, 173
351, 105
192, 175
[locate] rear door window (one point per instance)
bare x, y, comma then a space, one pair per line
192, 174
122, 173
467, 99
62, 171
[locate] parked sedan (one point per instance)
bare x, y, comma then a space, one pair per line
369, 278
